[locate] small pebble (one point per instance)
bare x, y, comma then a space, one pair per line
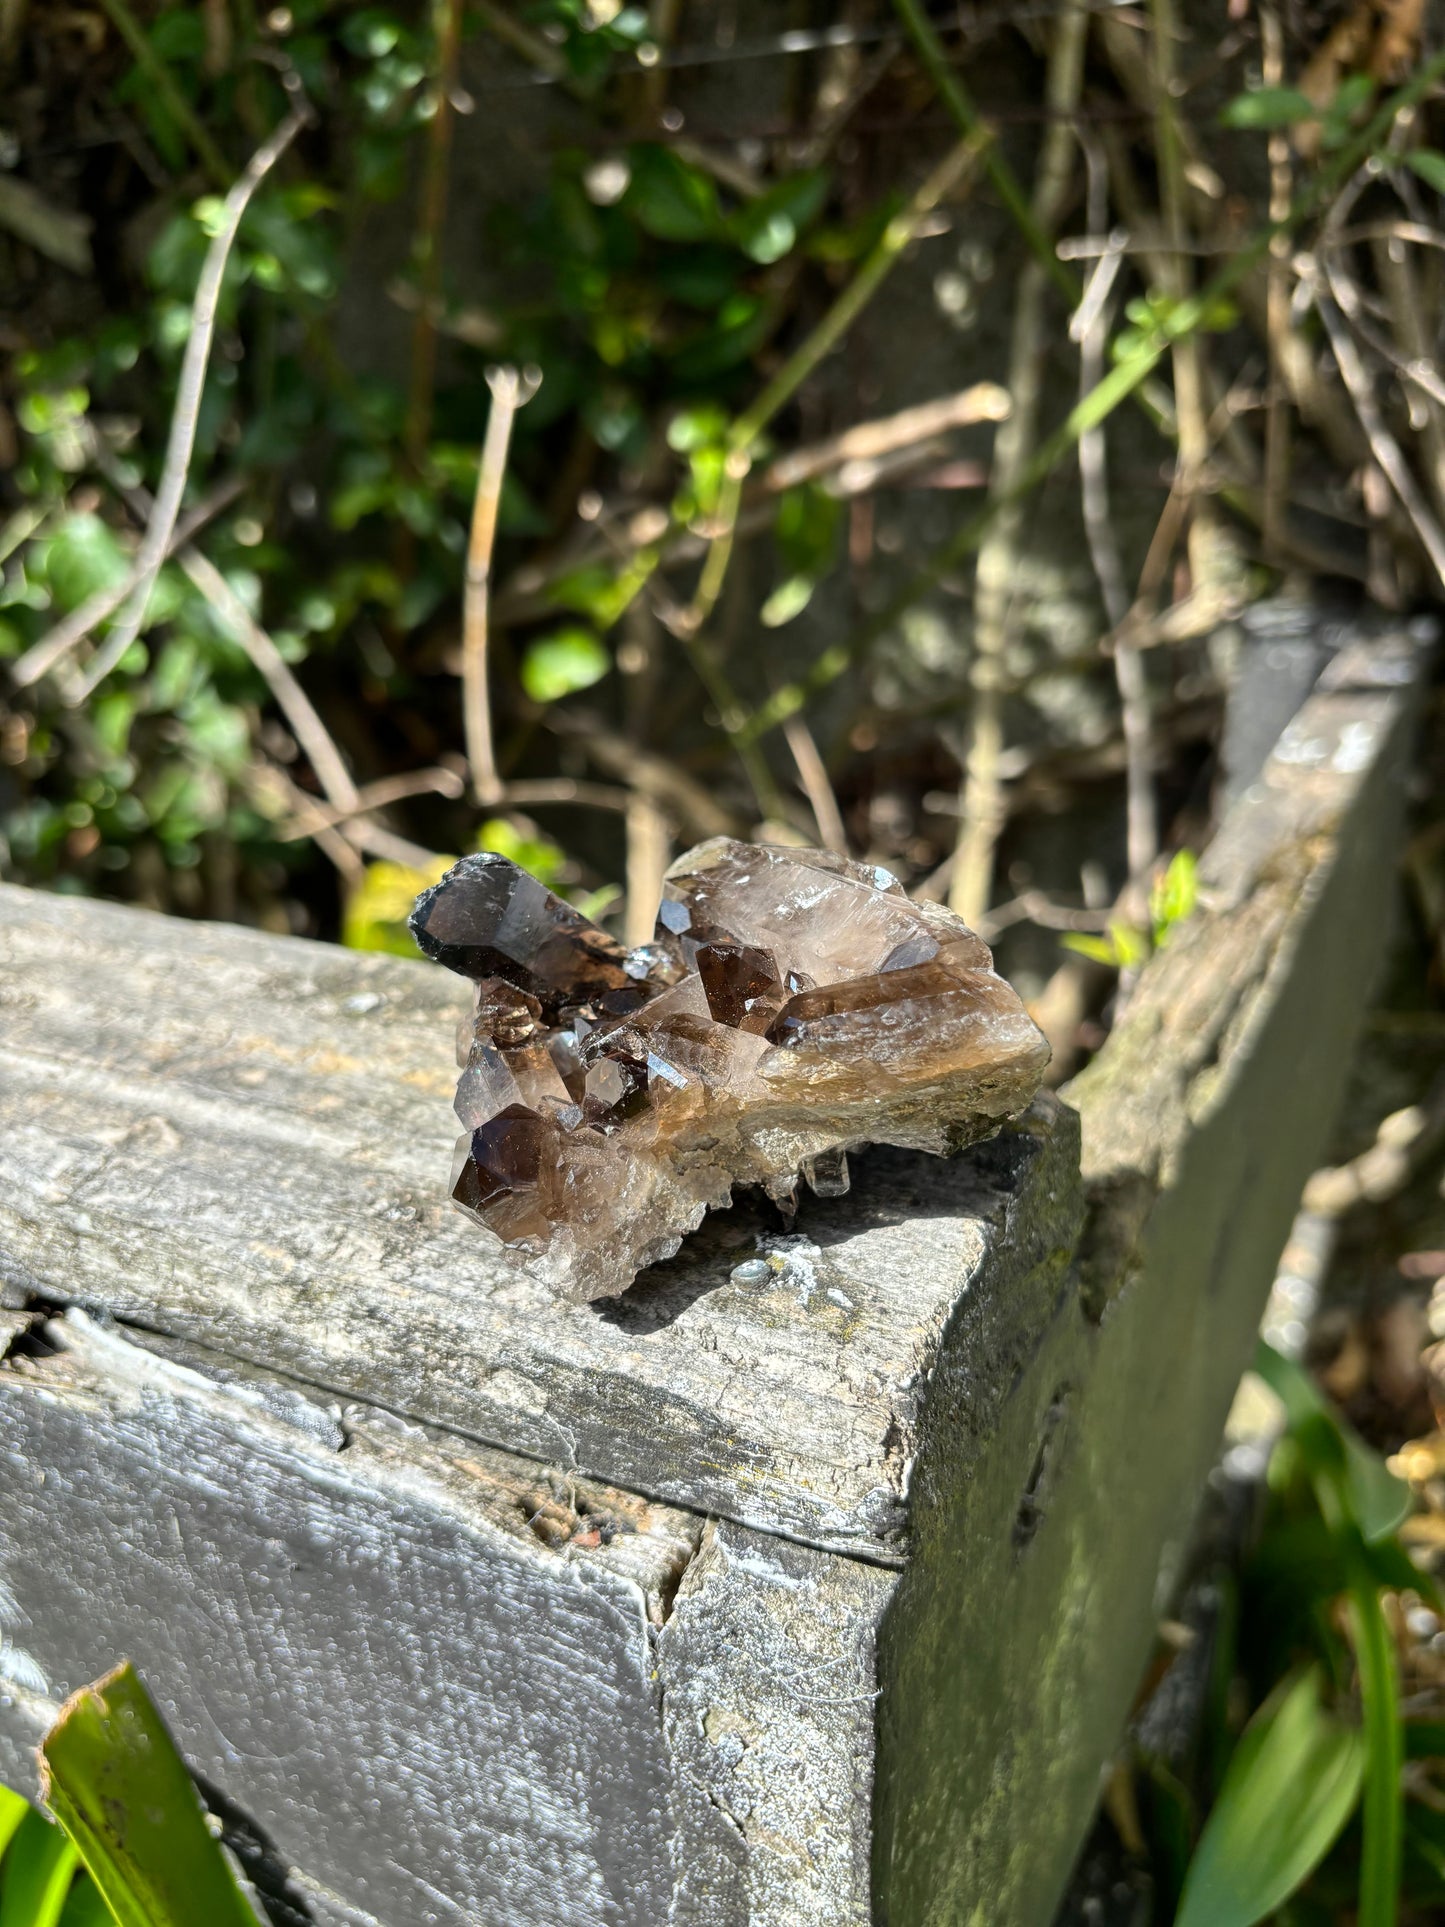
752, 1272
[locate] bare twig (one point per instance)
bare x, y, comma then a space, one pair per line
192, 381
511, 389
982, 801
1090, 327
1277, 303
312, 817
300, 713
983, 401
42, 656
648, 855
813, 776
960, 104
1383, 446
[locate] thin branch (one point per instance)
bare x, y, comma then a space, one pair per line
189, 389
983, 401
965, 113
813, 776
1090, 327
511, 389
983, 810
42, 656
312, 817
1277, 304
648, 855
1383, 446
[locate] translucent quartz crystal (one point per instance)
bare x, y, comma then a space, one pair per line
792, 1006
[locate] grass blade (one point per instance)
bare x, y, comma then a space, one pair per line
1291, 1786
38, 1868
114, 1780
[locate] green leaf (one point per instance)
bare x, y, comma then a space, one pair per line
1291, 1786
567, 660
669, 199
788, 600
1430, 166
113, 1778
377, 909
1377, 1500
1099, 950
13, 1809
767, 228
1175, 895
35, 1878
83, 557
538, 855
1269, 107
86, 1906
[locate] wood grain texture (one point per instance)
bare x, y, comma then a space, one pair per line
245, 1140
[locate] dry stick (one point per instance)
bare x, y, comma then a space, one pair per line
1383, 446
813, 775
648, 854
57, 642
968, 118
849, 457
1411, 358
306, 725
371, 796
1191, 413
1126, 378
511, 389
300, 713
1277, 298
427, 253
982, 401
1089, 329
188, 401
982, 803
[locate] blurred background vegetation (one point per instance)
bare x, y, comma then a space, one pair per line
939, 432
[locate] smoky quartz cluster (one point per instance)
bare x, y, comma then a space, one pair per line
792, 1005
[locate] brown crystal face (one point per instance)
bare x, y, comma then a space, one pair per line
792, 1006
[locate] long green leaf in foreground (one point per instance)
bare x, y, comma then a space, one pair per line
114, 1780
1291, 1786
36, 1874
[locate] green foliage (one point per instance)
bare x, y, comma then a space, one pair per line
1309, 1796
563, 662
378, 907
1172, 899
1430, 166
1291, 1786
124, 1797
36, 1872
1267, 109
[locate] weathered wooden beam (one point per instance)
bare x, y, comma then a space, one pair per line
818, 1602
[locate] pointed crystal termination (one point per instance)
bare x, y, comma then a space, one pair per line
793, 1006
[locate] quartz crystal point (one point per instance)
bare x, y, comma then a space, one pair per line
792, 1006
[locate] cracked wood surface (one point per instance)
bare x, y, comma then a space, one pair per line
380, 1640
245, 1140
433, 1682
